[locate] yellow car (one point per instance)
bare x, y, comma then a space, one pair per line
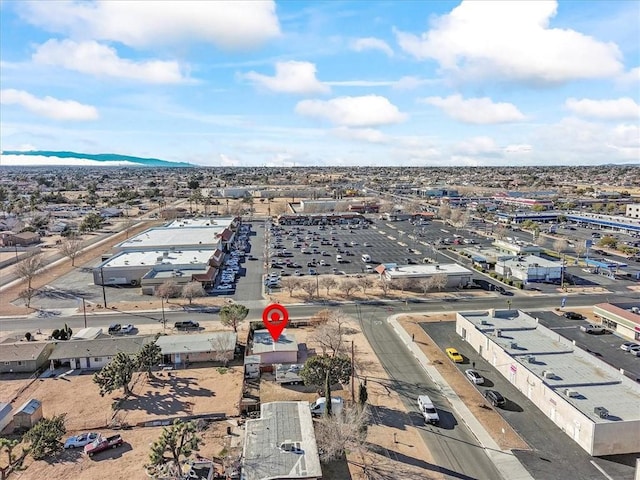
453, 354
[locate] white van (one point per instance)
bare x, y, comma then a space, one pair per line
428, 409
366, 258
317, 407
339, 258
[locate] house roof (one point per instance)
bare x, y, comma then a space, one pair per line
263, 342
29, 407
99, 347
21, 351
197, 343
5, 411
281, 443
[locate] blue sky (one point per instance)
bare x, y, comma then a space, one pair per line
299, 83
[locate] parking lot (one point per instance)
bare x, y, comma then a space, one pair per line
294, 249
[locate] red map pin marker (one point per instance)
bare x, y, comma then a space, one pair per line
275, 317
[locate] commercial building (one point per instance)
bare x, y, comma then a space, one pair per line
592, 402
281, 444
621, 319
199, 347
515, 248
457, 275
633, 210
530, 268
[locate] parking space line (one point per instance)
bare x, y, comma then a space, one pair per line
600, 469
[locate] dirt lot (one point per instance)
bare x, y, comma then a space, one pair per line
187, 392
124, 463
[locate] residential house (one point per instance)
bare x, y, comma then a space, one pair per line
281, 444
285, 350
199, 347
23, 357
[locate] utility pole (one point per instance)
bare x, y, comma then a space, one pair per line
84, 311
353, 373
164, 320
104, 292
562, 272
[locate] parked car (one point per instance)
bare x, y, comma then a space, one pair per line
453, 354
474, 377
495, 398
186, 325
629, 346
81, 440
115, 328
101, 444
127, 328
592, 329
573, 316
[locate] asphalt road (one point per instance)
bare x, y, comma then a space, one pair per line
552, 451
455, 450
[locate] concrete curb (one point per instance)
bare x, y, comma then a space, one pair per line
504, 460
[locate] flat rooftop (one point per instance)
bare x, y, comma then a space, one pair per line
428, 269
263, 343
217, 222
197, 343
281, 443
165, 238
535, 349
528, 261
160, 257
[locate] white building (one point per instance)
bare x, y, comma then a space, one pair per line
516, 247
457, 275
633, 210
530, 269
592, 402
95, 354
199, 347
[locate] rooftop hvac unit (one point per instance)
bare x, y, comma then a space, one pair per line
483, 322
159, 259
514, 345
601, 412
531, 359
165, 254
571, 393
548, 374
498, 332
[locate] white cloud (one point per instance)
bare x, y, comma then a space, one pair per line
48, 106
632, 77
92, 58
291, 77
371, 43
476, 146
233, 24
411, 83
364, 111
370, 135
479, 111
620, 109
512, 40
518, 148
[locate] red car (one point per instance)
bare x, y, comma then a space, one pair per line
101, 444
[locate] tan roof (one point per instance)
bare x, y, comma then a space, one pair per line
12, 352
621, 312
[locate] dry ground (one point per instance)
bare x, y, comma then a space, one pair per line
124, 463
187, 392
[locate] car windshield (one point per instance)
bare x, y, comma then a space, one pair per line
430, 409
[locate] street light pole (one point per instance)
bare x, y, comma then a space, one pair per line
104, 292
164, 320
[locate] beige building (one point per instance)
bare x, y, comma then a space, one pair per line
620, 319
595, 404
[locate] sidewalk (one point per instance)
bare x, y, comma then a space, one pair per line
506, 463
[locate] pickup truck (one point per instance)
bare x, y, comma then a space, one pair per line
101, 444
593, 329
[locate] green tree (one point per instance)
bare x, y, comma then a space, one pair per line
178, 440
91, 222
62, 334
148, 356
326, 370
44, 437
363, 395
232, 315
116, 374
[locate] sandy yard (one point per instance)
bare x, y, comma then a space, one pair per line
124, 463
187, 392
